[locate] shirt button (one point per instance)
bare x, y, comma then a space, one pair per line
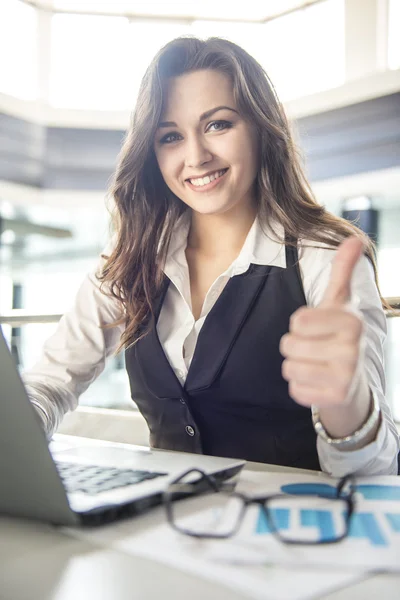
189, 430
182, 401
180, 374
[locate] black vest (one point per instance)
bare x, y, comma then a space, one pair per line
235, 402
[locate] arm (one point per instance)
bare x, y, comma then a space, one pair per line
74, 356
379, 453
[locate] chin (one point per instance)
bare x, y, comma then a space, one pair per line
202, 210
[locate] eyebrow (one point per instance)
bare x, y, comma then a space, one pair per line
203, 116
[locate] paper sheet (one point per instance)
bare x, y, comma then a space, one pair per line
151, 537
373, 542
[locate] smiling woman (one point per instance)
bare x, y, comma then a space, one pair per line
206, 136
228, 285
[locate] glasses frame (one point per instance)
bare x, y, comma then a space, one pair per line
211, 483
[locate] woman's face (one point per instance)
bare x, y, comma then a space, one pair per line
206, 151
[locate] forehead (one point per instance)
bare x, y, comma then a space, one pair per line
189, 95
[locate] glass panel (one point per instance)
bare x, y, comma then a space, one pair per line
47, 272
103, 68
18, 65
394, 35
285, 47
388, 261
110, 390
92, 72
304, 51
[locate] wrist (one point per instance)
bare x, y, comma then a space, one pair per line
342, 436
342, 420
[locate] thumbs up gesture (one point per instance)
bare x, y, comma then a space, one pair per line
322, 348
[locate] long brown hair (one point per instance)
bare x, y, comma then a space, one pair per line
146, 210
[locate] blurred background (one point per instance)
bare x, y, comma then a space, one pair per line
69, 76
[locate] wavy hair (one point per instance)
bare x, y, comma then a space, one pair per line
145, 210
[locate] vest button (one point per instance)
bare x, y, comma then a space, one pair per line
182, 401
189, 430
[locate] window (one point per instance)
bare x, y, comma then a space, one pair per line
394, 35
302, 52
90, 62
98, 62
47, 273
18, 65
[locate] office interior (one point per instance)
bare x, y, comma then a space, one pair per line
67, 88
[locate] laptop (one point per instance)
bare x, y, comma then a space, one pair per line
68, 484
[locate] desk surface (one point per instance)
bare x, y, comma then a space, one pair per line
40, 562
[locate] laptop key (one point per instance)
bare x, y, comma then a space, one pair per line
94, 479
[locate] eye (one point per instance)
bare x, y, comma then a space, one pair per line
219, 125
169, 138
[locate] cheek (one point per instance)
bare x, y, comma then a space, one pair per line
169, 166
252, 158
164, 166
244, 153
247, 161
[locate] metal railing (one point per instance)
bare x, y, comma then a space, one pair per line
19, 317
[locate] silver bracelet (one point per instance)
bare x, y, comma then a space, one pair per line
354, 439
42, 411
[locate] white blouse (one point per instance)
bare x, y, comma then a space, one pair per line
76, 353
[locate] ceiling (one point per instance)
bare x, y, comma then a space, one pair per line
226, 10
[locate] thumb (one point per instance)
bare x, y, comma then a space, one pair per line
338, 291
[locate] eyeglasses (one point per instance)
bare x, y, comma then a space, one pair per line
293, 517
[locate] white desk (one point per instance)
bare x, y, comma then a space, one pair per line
40, 562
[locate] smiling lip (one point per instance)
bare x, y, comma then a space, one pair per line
208, 186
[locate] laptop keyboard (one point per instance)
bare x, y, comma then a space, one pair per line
94, 479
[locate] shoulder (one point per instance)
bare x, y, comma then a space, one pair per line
315, 257
315, 261
105, 253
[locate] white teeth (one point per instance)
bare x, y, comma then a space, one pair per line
205, 180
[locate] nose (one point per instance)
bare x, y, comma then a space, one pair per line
197, 154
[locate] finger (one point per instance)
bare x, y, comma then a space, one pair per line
307, 396
315, 350
329, 323
348, 254
316, 375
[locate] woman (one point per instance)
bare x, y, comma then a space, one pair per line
219, 247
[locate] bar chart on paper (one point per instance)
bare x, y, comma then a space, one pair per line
373, 538
365, 524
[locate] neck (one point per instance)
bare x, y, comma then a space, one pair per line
215, 235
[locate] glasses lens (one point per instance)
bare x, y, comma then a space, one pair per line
208, 515
305, 519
